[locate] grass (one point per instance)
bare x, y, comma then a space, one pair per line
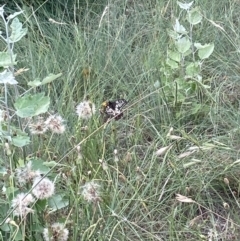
117, 49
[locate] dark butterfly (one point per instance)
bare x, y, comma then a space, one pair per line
114, 108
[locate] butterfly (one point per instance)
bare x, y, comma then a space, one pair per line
114, 108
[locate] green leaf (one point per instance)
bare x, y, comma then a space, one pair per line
20, 141
17, 31
38, 164
173, 34
185, 6
35, 83
53, 163
5, 227
187, 52
172, 64
204, 51
15, 136
57, 202
183, 44
198, 45
11, 16
193, 69
5, 59
37, 229
50, 78
174, 56
18, 236
41, 205
7, 77
46, 80
32, 105
179, 28
194, 16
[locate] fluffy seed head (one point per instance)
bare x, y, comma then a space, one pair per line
26, 174
55, 124
44, 188
55, 232
21, 203
38, 126
91, 192
85, 109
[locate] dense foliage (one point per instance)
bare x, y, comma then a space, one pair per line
119, 120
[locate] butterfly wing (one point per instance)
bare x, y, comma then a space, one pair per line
113, 108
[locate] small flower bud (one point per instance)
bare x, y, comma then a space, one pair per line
226, 205
226, 181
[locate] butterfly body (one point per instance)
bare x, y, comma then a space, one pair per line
114, 108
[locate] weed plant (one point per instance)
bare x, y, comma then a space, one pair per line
166, 170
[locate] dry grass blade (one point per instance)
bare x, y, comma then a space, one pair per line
184, 199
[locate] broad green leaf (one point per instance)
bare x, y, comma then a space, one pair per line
11, 16
172, 64
5, 59
198, 45
187, 52
173, 34
16, 136
5, 227
20, 141
193, 69
32, 105
53, 163
6, 77
46, 80
41, 205
50, 78
57, 202
38, 164
179, 28
183, 44
50, 163
18, 236
174, 56
194, 16
37, 228
17, 31
35, 83
204, 51
185, 6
